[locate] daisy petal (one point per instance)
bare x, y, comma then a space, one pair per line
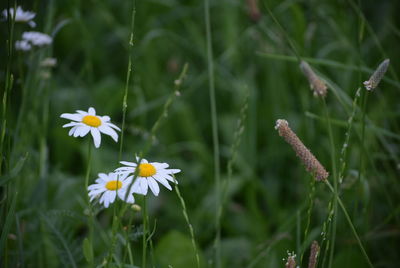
105, 118
71, 124
96, 136
92, 111
113, 126
109, 131
126, 163
140, 186
72, 131
172, 171
163, 181
74, 117
153, 186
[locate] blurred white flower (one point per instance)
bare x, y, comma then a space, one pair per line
89, 121
149, 175
30, 39
21, 15
108, 186
37, 38
49, 62
23, 45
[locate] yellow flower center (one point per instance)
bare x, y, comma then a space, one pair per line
91, 120
114, 185
146, 170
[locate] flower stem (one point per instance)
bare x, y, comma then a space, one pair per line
90, 212
144, 238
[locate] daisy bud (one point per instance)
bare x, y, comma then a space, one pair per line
316, 84
136, 208
312, 262
377, 76
311, 163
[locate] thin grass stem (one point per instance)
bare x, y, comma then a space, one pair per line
90, 210
185, 215
214, 122
335, 181
353, 229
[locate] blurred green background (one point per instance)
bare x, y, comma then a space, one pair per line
269, 193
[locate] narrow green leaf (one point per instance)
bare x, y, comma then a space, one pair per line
14, 172
87, 250
7, 224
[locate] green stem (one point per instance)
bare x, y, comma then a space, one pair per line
144, 238
214, 132
353, 229
335, 182
185, 215
90, 211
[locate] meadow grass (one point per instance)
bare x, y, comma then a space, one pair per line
199, 85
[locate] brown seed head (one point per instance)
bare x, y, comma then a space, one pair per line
291, 262
312, 262
377, 76
311, 163
317, 85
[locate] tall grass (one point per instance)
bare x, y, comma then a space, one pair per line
244, 199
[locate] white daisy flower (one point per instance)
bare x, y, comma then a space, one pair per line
149, 175
21, 15
108, 186
89, 121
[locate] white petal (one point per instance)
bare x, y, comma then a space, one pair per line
172, 171
79, 130
92, 111
96, 136
85, 130
142, 161
140, 186
112, 195
95, 187
163, 181
113, 126
104, 177
128, 199
109, 131
153, 186
75, 117
105, 118
71, 124
102, 199
160, 165
72, 130
126, 163
82, 112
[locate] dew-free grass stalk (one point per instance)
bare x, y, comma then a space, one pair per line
309, 212
185, 215
124, 107
335, 180
89, 205
144, 236
9, 77
353, 229
214, 123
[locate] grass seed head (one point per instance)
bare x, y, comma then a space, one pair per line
291, 260
312, 262
377, 76
317, 84
311, 163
